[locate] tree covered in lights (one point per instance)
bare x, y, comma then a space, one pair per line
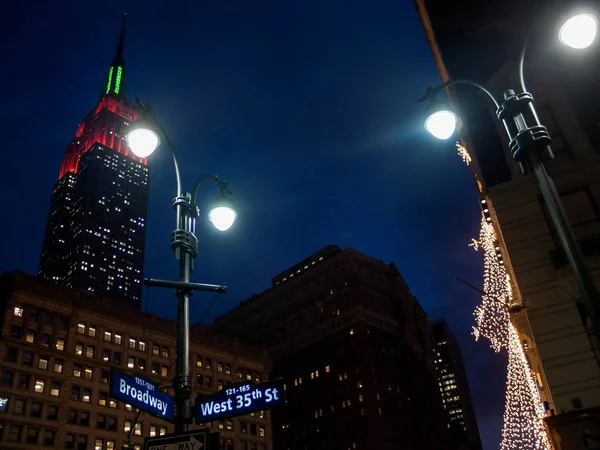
523, 427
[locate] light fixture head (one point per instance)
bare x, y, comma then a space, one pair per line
141, 138
222, 213
579, 30
440, 120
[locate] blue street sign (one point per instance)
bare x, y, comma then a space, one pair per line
239, 399
142, 394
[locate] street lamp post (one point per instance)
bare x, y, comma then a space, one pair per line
529, 142
142, 141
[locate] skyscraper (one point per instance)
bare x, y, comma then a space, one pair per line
354, 348
454, 388
95, 234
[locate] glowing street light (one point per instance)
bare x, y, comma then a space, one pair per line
143, 140
579, 31
441, 124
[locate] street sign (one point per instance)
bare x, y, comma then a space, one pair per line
141, 393
239, 399
189, 440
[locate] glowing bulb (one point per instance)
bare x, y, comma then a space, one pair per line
579, 31
222, 217
142, 141
441, 124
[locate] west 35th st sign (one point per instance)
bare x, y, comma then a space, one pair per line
239, 399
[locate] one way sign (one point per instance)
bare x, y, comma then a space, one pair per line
190, 440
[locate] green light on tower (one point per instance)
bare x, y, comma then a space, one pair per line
110, 72
118, 79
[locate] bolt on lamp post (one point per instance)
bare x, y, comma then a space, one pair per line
529, 142
142, 141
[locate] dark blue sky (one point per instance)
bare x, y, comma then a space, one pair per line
307, 109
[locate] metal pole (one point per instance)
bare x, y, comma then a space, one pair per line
185, 245
182, 388
585, 282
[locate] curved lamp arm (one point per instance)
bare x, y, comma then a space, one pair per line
432, 92
146, 108
215, 179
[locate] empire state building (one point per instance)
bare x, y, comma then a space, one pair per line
95, 234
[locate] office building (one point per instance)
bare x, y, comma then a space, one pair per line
483, 44
95, 234
454, 389
57, 347
354, 348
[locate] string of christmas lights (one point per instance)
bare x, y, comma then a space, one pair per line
523, 425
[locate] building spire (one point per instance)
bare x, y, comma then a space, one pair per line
121, 39
116, 72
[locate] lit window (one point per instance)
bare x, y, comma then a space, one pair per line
137, 429
30, 337
79, 349
131, 343
43, 362
39, 385
219, 366
163, 431
127, 426
60, 344
55, 389
18, 311
58, 365
199, 361
81, 328
87, 374
327, 369
164, 371
130, 362
92, 331
156, 351
128, 407
141, 346
89, 351
117, 338
107, 335
165, 353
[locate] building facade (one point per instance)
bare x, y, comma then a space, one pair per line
58, 346
95, 233
482, 44
354, 348
454, 389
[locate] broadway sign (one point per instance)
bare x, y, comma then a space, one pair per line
142, 394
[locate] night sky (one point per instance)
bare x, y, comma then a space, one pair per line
308, 109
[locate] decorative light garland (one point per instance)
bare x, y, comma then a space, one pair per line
523, 427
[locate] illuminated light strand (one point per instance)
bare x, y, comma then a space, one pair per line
523, 413
463, 153
523, 424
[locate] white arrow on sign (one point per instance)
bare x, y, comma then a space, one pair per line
191, 444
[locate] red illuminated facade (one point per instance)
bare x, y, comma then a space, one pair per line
95, 234
103, 125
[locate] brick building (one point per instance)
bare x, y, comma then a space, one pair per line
354, 348
58, 346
